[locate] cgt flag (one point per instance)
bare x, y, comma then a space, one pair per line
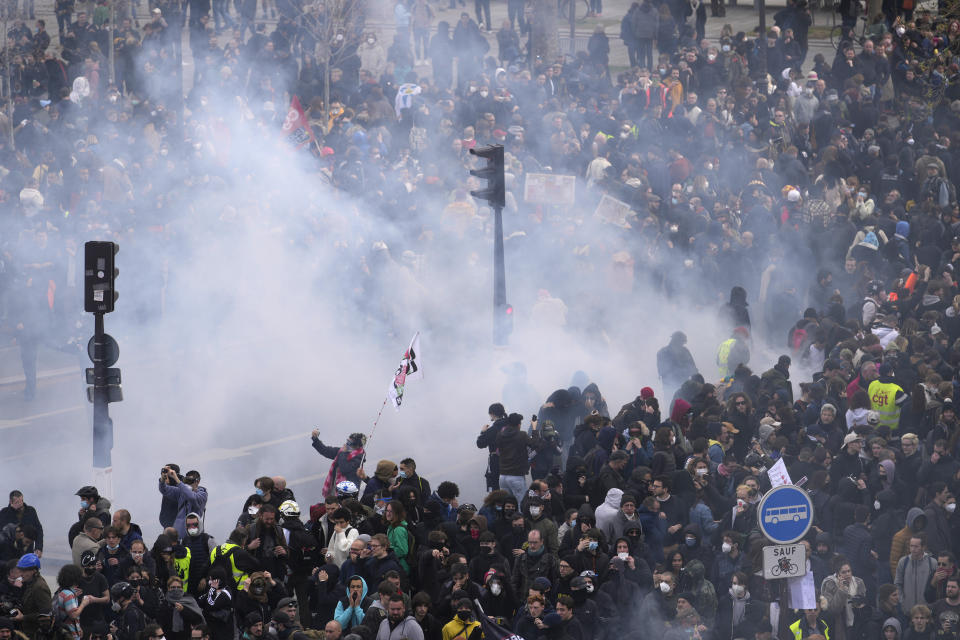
296, 129
409, 369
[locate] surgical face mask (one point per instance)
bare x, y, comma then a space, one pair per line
484, 94
401, 474
876, 505
136, 555
726, 547
593, 545
901, 31
370, 40
473, 89
115, 607
862, 194
702, 472
691, 542
252, 510
725, 48
84, 504
339, 37
623, 555
665, 587
711, 57
534, 511
573, 522
738, 590
193, 531
113, 547
259, 491
495, 588
951, 507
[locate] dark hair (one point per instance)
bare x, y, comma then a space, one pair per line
69, 576
566, 601
268, 508
386, 588
265, 483
396, 597
341, 513
16, 493
838, 562
496, 409
448, 490
409, 462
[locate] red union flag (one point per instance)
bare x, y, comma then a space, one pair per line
409, 369
296, 129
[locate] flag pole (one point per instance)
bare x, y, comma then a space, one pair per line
363, 458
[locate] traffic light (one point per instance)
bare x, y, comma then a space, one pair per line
98, 276
503, 324
114, 391
492, 173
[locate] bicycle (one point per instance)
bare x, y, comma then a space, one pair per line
581, 9
786, 567
838, 37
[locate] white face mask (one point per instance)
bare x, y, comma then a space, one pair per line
193, 531
665, 587
370, 40
951, 507
484, 94
738, 590
495, 589
901, 31
876, 505
623, 555
589, 588
252, 510
726, 547
702, 472
725, 48
711, 57
534, 511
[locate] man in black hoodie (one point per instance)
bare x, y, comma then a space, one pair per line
512, 443
488, 438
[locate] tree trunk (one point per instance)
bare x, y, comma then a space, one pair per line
545, 41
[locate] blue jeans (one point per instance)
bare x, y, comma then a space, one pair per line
517, 485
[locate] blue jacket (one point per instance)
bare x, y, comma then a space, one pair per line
188, 501
349, 616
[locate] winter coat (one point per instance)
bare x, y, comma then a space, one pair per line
912, 577
512, 442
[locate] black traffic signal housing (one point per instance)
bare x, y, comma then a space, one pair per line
113, 380
99, 275
492, 173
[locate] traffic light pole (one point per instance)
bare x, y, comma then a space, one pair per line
102, 424
499, 281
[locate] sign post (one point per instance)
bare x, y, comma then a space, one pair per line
784, 516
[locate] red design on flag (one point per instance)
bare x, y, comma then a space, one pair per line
296, 129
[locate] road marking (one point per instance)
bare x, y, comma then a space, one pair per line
25, 420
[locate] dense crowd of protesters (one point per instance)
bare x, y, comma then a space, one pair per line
823, 201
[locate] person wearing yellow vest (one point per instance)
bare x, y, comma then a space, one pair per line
733, 352
810, 624
886, 397
232, 557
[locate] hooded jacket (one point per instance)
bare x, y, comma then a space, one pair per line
350, 616
607, 512
512, 442
912, 577
900, 545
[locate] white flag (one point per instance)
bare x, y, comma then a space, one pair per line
409, 369
778, 474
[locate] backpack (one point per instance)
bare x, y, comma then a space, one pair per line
55, 627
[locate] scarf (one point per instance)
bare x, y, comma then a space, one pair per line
334, 476
188, 602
